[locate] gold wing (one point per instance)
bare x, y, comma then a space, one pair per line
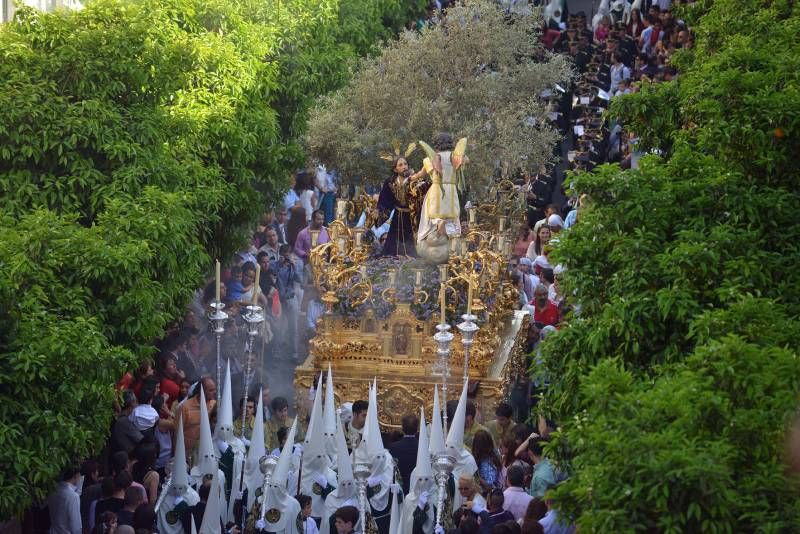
433, 157
410, 149
457, 157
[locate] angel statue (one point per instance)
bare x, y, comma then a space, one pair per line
439, 217
396, 200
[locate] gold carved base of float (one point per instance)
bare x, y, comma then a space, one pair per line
400, 352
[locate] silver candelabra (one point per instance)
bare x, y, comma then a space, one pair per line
218, 318
254, 317
443, 465
468, 329
443, 339
361, 473
267, 465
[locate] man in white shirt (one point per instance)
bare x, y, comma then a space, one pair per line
65, 503
618, 72
516, 498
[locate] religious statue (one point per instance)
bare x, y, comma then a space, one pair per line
441, 210
396, 195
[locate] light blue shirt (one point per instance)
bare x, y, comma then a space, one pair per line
290, 199
65, 509
571, 217
543, 478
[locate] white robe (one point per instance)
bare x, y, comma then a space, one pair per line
163, 518
436, 207
239, 454
307, 485
383, 467
412, 500
346, 494
196, 479
291, 518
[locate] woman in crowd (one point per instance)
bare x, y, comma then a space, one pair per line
489, 464
144, 469
530, 522
524, 239
536, 247
635, 26
602, 31
297, 221
304, 187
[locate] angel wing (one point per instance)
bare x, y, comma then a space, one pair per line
457, 157
433, 158
432, 162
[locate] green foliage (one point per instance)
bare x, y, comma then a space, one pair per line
675, 380
138, 140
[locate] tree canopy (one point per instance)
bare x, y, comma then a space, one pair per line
478, 73
675, 379
137, 141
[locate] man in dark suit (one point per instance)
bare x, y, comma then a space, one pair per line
404, 451
281, 218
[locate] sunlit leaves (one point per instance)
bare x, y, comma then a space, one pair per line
675, 378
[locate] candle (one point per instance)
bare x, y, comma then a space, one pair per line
359, 234
363, 270
502, 222
342, 245
443, 272
469, 296
500, 247
341, 209
218, 278
442, 293
392, 277
418, 279
256, 285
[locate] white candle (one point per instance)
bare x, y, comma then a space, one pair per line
469, 296
418, 279
218, 279
392, 277
256, 285
442, 293
500, 240
472, 215
502, 222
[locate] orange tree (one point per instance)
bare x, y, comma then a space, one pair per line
676, 376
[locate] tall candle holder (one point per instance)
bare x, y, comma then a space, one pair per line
443, 465
444, 340
361, 473
218, 318
468, 329
254, 317
267, 465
